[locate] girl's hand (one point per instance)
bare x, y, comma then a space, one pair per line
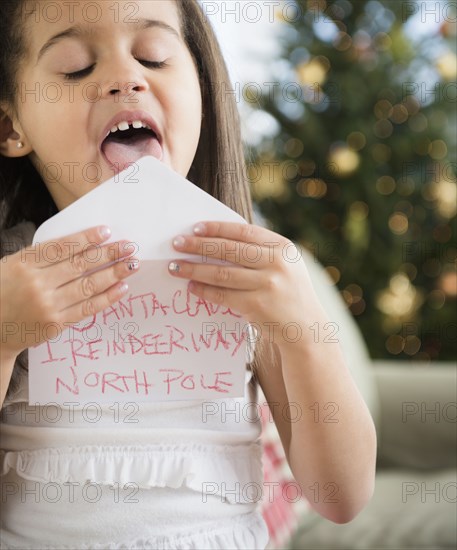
269, 283
46, 287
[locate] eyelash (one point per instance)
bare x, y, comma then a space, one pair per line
85, 72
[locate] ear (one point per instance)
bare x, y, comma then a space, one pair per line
12, 145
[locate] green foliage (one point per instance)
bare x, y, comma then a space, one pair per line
362, 169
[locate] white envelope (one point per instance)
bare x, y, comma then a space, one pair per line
159, 342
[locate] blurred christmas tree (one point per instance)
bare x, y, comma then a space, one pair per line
362, 168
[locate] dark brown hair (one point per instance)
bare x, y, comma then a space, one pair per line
218, 167
23, 194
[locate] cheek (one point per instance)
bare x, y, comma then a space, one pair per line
184, 118
49, 121
185, 136
186, 102
186, 94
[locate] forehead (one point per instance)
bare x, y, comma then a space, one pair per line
45, 18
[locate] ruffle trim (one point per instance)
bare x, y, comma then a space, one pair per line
226, 470
244, 531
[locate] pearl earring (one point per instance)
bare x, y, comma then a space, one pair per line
19, 145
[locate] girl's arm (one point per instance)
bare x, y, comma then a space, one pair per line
334, 462
7, 361
328, 434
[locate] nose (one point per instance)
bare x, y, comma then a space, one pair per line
125, 88
124, 76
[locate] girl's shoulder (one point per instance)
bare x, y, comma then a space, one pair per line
16, 237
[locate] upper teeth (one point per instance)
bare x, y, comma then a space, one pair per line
124, 125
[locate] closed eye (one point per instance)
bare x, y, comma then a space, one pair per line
79, 74
152, 64
85, 72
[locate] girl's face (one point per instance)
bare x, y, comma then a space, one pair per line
92, 66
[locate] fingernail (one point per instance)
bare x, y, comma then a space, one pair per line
123, 288
105, 232
179, 242
133, 264
199, 229
173, 266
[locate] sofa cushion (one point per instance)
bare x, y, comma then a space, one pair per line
349, 336
408, 511
418, 414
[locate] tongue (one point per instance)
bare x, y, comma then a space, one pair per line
121, 154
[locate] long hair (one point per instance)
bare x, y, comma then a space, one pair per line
219, 166
23, 194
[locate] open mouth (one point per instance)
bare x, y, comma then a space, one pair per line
127, 142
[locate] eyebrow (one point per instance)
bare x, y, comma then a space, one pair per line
77, 31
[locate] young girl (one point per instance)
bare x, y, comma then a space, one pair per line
155, 475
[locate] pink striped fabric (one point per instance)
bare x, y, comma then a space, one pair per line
282, 504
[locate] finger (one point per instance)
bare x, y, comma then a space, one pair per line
90, 285
251, 255
52, 251
243, 232
93, 258
238, 278
236, 300
95, 304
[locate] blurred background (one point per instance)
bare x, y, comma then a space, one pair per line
349, 116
